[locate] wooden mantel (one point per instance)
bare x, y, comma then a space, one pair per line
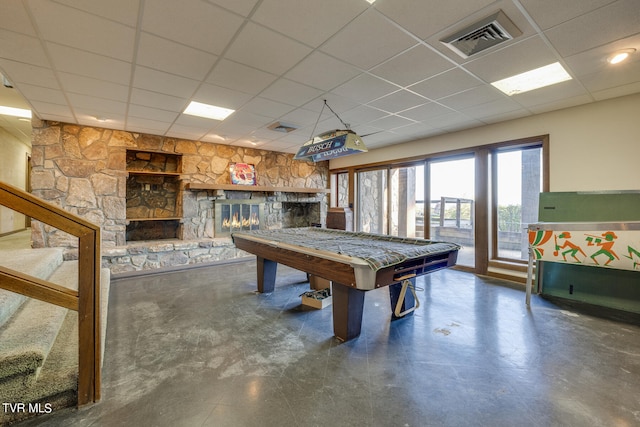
234, 187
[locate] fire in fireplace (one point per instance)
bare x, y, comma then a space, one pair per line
234, 215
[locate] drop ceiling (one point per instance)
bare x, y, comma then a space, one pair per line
382, 67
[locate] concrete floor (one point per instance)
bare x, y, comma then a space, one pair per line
201, 348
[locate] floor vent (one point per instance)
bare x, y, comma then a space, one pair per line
482, 35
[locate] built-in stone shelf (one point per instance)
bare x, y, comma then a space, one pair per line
268, 189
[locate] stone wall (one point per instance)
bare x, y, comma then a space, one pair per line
83, 170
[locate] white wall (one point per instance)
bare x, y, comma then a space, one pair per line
13, 170
593, 147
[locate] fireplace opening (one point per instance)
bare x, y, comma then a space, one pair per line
300, 214
153, 230
236, 215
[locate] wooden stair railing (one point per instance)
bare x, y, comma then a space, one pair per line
86, 300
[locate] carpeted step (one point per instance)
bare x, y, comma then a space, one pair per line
40, 263
51, 376
29, 335
26, 341
57, 384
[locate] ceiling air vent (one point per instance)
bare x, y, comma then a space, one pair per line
482, 35
282, 127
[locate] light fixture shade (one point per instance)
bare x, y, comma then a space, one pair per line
15, 112
533, 79
620, 56
207, 111
331, 145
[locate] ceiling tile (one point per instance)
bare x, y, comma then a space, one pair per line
425, 111
240, 77
617, 91
398, 101
61, 112
390, 122
368, 40
322, 71
91, 104
423, 18
123, 11
361, 115
290, 92
192, 22
559, 103
170, 57
37, 93
490, 109
595, 60
89, 64
412, 66
93, 87
15, 18
153, 127
301, 117
549, 13
158, 100
220, 96
266, 107
309, 21
365, 88
264, 49
614, 76
469, 98
21, 48
142, 112
242, 7
550, 94
524, 55
19, 72
186, 132
339, 104
157, 81
445, 84
81, 30
595, 28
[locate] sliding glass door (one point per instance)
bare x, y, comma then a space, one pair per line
517, 185
451, 205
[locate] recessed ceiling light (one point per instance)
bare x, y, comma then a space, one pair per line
207, 111
371, 1
16, 112
619, 56
534, 79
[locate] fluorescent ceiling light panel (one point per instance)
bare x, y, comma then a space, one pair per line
16, 112
534, 79
207, 111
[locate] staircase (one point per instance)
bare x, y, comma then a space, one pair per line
38, 340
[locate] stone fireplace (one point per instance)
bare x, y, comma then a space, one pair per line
231, 215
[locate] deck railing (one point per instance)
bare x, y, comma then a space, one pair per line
86, 300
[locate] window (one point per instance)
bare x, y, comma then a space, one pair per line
407, 201
451, 205
372, 201
340, 190
517, 184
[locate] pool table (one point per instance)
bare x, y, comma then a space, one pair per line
355, 262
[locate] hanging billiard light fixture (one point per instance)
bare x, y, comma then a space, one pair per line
331, 144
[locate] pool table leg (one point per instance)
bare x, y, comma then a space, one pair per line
266, 275
348, 304
408, 303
